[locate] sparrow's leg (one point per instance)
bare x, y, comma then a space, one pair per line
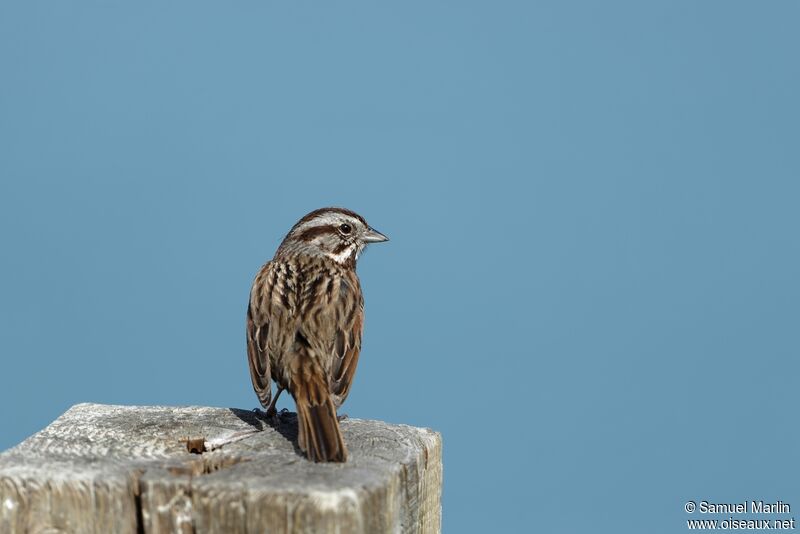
271, 411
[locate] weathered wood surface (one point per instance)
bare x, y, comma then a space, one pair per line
126, 469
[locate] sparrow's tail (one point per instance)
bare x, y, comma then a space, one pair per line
319, 435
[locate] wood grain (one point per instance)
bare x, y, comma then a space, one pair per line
127, 469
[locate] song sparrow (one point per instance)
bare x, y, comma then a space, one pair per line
304, 324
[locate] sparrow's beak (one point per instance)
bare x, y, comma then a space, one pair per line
374, 236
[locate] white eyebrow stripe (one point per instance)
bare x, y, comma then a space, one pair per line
326, 219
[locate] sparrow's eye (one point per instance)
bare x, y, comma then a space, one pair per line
345, 228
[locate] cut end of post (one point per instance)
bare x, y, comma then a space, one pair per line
132, 469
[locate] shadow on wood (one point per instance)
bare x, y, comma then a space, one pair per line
128, 469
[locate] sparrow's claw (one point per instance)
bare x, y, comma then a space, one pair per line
271, 410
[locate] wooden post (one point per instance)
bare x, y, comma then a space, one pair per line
143, 469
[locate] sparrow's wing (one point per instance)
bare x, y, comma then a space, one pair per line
258, 357
347, 345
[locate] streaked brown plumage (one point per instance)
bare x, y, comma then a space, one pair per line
304, 324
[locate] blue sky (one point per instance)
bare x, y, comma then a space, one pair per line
591, 287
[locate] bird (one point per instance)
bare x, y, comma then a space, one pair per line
305, 319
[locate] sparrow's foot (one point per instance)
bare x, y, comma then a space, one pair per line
271, 410
276, 416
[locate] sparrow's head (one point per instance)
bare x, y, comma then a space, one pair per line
335, 233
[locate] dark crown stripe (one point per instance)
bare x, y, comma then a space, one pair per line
322, 211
